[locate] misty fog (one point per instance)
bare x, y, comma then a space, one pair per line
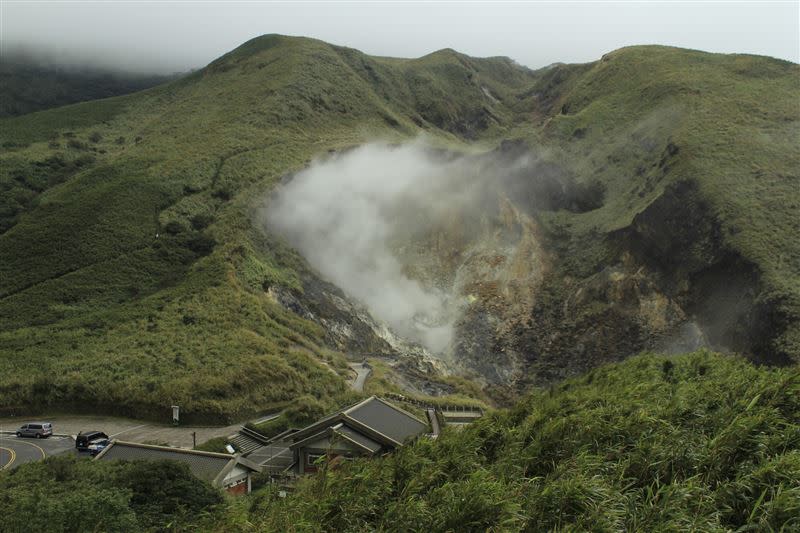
94, 61
349, 214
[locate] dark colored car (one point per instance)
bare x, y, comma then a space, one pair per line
35, 429
84, 438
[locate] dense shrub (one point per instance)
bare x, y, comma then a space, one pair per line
302, 411
711, 445
714, 444
77, 145
64, 493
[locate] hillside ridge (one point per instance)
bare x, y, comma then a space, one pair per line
134, 277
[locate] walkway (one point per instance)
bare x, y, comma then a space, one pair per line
362, 372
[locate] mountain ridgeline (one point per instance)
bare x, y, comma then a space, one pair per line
646, 201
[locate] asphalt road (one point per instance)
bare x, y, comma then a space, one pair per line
127, 429
15, 451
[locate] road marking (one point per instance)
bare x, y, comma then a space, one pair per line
12, 454
35, 446
126, 430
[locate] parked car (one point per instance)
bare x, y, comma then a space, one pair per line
97, 446
85, 437
39, 430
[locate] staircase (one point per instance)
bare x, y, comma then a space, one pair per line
247, 441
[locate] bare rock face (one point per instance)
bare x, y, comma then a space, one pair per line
520, 313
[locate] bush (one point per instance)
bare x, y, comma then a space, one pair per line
217, 444
173, 227
201, 244
77, 145
697, 442
201, 221
64, 493
305, 410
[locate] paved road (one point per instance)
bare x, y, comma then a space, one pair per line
362, 371
126, 429
15, 451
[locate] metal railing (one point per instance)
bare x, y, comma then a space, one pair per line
452, 408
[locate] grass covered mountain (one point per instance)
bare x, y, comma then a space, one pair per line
28, 84
133, 278
696, 442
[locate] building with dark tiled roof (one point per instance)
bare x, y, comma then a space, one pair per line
229, 472
370, 427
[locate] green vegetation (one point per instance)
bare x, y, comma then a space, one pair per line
300, 413
136, 281
132, 278
68, 494
698, 442
217, 444
697, 158
463, 391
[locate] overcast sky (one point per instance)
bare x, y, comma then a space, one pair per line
176, 36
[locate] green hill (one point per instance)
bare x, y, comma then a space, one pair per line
697, 158
132, 277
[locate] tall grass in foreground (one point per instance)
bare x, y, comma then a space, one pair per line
700, 442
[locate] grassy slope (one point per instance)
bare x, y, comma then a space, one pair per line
734, 120
132, 273
697, 442
135, 281
741, 147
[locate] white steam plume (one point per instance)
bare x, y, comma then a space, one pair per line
345, 214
